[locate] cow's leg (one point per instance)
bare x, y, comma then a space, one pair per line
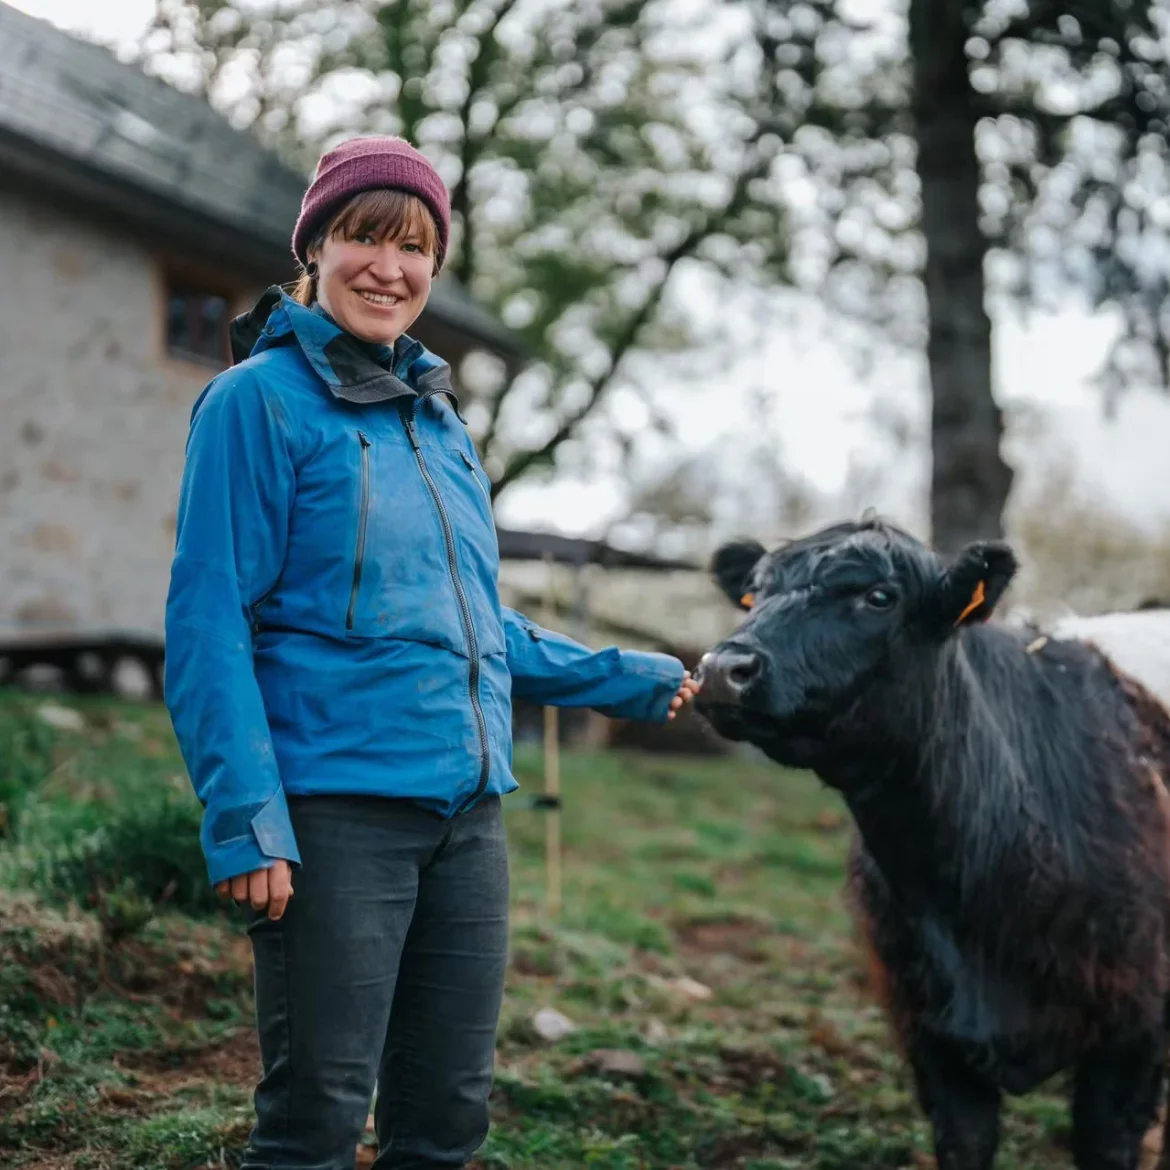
962, 1105
1115, 1101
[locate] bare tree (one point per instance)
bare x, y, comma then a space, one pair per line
1030, 133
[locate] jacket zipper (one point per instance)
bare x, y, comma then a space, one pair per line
478, 482
465, 609
259, 603
359, 555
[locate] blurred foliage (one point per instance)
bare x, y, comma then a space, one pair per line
600, 154
1021, 146
25, 760
124, 860
1072, 106
99, 817
592, 150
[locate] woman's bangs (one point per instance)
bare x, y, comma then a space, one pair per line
391, 215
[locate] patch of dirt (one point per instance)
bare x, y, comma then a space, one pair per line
829, 821
154, 1076
729, 1153
742, 938
186, 977
64, 961
749, 1067
616, 1063
16, 1083
53, 986
826, 1036
234, 1060
535, 963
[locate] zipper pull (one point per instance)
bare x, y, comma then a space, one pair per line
363, 440
408, 422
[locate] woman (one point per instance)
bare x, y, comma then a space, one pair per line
339, 674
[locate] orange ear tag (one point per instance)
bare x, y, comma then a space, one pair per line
977, 599
748, 600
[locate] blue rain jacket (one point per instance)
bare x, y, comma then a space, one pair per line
333, 623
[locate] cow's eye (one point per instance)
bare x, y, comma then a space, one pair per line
879, 598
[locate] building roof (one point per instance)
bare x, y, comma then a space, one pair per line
76, 118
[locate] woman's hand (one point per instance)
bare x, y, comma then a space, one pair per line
262, 889
686, 692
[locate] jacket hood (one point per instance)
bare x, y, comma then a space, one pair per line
354, 370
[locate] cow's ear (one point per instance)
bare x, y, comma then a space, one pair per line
732, 566
973, 584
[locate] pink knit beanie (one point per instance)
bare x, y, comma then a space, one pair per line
364, 164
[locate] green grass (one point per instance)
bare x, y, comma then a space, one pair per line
125, 997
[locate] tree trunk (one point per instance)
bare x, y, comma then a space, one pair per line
970, 480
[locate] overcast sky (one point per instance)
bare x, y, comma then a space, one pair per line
821, 417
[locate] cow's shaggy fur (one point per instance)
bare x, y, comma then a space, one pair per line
1011, 871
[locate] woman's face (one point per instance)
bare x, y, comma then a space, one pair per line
374, 288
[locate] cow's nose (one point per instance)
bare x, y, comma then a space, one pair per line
727, 674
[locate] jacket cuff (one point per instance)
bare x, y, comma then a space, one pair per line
668, 673
273, 829
269, 838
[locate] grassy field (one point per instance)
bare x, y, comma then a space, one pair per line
702, 953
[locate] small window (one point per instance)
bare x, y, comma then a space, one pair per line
197, 324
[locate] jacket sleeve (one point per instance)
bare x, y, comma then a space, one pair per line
552, 670
232, 528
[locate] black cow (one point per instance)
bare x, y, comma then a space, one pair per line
1011, 869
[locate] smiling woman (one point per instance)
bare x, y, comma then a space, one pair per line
340, 673
370, 265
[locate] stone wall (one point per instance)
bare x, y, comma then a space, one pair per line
93, 423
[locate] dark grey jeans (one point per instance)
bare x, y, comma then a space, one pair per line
389, 964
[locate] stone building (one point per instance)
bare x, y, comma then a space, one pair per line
134, 221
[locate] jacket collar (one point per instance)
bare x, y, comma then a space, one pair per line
352, 369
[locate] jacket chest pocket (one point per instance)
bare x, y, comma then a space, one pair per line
396, 579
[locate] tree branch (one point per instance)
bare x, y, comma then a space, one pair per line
401, 38
469, 151
520, 463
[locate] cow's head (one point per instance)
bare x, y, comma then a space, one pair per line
836, 621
